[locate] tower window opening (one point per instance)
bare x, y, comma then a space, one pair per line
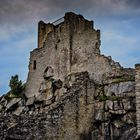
56, 46
34, 65
60, 29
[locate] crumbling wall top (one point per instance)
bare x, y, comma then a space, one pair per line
71, 21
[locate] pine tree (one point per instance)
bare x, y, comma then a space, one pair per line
16, 85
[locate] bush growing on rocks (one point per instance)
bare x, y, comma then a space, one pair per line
16, 85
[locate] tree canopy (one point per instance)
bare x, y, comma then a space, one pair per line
16, 85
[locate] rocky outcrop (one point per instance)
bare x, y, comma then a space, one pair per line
74, 108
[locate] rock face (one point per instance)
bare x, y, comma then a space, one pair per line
78, 108
72, 91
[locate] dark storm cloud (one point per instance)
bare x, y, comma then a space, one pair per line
73, 4
17, 11
20, 11
130, 3
133, 3
28, 12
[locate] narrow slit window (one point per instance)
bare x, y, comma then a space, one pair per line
34, 65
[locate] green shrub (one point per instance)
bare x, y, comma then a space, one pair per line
16, 86
112, 98
121, 79
115, 98
102, 98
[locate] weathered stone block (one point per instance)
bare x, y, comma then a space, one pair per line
93, 98
19, 110
108, 105
12, 102
30, 101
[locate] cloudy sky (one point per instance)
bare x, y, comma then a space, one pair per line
118, 20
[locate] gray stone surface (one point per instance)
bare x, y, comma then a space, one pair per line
72, 91
30, 101
68, 48
12, 102
137, 91
19, 110
120, 89
74, 111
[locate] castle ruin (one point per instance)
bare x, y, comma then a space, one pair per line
72, 90
71, 45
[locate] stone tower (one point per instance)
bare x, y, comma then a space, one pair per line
68, 45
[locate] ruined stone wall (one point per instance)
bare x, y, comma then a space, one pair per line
55, 53
71, 46
78, 109
137, 91
56, 49
43, 30
45, 57
86, 56
72, 91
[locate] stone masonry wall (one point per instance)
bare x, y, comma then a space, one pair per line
72, 91
57, 50
71, 46
78, 109
137, 91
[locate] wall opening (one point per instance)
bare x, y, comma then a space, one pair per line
34, 65
49, 72
94, 134
60, 29
56, 47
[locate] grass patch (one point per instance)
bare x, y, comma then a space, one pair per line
102, 98
112, 98
121, 79
115, 98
